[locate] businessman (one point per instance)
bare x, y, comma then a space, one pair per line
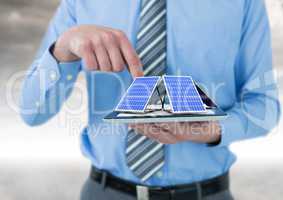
224, 45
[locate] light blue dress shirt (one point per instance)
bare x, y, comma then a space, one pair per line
224, 45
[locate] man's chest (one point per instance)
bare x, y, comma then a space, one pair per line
182, 15
202, 36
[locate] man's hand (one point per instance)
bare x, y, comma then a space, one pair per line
171, 133
101, 48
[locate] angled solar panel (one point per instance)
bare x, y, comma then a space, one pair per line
183, 95
138, 94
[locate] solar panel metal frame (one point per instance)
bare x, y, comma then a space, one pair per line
168, 95
148, 100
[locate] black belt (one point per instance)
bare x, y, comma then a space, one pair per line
192, 191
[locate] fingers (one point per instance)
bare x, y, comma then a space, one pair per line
89, 57
114, 53
162, 135
171, 133
104, 49
101, 54
155, 132
129, 54
180, 130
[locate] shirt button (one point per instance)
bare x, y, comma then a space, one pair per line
37, 104
159, 174
53, 75
69, 77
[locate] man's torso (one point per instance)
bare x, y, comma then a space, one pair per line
203, 38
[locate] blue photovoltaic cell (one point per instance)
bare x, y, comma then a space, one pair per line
138, 94
183, 95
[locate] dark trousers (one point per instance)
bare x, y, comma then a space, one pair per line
94, 191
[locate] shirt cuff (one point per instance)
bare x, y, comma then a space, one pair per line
51, 70
232, 130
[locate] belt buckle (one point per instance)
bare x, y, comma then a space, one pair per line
142, 192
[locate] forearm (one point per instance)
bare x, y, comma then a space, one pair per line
46, 87
250, 118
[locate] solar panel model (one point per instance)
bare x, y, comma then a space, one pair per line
183, 95
180, 90
163, 99
138, 94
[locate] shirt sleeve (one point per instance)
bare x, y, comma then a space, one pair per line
48, 83
257, 109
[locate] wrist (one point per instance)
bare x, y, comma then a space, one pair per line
216, 135
203, 132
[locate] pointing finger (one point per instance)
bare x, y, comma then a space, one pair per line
130, 55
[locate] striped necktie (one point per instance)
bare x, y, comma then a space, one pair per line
145, 156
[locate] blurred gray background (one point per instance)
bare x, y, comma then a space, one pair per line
45, 162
